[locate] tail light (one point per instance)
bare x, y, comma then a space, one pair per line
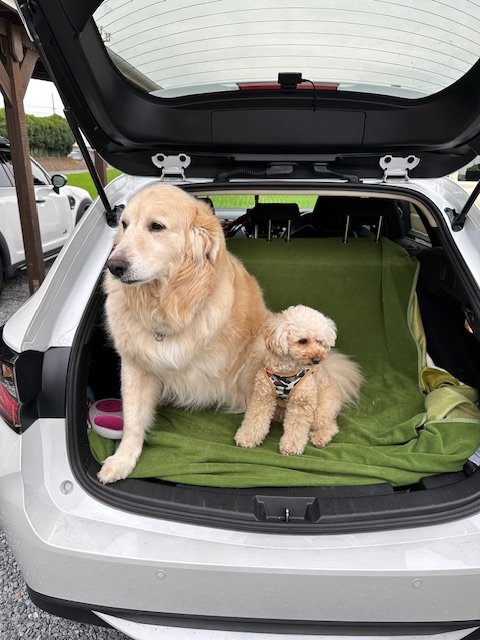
20, 385
9, 402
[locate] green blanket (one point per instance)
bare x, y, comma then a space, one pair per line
410, 422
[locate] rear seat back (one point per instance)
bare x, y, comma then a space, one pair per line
266, 215
341, 216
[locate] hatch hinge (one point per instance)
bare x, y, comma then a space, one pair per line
396, 167
171, 166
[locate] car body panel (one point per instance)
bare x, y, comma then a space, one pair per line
424, 574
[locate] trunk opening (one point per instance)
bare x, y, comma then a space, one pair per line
442, 302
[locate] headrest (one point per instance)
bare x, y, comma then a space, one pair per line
264, 211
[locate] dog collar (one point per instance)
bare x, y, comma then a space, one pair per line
284, 384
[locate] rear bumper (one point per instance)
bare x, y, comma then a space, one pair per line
161, 625
73, 549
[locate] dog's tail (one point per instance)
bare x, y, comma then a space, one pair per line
346, 374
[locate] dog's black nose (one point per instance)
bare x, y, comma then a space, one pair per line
117, 266
316, 360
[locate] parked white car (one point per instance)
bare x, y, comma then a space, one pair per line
320, 133
58, 208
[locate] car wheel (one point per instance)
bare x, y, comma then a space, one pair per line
83, 206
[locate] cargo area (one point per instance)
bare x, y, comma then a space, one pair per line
377, 268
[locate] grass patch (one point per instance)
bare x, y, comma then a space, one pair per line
247, 202
84, 180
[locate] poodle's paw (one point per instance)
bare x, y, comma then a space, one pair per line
289, 447
319, 441
115, 468
321, 438
244, 438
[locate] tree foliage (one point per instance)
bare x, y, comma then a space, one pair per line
48, 136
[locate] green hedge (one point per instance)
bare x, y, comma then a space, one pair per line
48, 136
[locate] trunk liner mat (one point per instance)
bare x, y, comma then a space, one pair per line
411, 421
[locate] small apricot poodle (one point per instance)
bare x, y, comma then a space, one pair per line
302, 383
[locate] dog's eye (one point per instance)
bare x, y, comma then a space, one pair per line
302, 341
124, 224
156, 226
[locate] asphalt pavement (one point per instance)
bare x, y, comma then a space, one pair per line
19, 617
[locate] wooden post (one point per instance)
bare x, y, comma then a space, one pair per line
101, 167
15, 72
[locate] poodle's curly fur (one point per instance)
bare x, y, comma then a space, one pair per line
299, 340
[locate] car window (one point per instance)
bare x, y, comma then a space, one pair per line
40, 177
471, 171
407, 48
246, 201
4, 177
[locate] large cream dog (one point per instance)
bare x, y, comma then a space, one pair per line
184, 315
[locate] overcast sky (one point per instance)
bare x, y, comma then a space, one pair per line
41, 99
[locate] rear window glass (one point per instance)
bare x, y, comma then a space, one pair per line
407, 48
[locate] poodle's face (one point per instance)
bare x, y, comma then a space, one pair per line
300, 334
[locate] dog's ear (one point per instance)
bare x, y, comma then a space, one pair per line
330, 333
206, 234
276, 335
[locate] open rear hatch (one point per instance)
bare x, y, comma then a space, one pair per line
355, 85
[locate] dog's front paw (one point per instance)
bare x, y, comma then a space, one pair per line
245, 439
289, 447
321, 437
320, 441
115, 468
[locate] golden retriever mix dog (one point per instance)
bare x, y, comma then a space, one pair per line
184, 315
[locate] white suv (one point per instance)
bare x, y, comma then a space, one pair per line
331, 193
59, 209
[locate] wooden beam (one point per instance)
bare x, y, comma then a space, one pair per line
26, 68
16, 42
22, 168
3, 27
101, 167
5, 84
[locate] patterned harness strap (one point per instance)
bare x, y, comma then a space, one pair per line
284, 384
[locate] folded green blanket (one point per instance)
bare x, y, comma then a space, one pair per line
410, 422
